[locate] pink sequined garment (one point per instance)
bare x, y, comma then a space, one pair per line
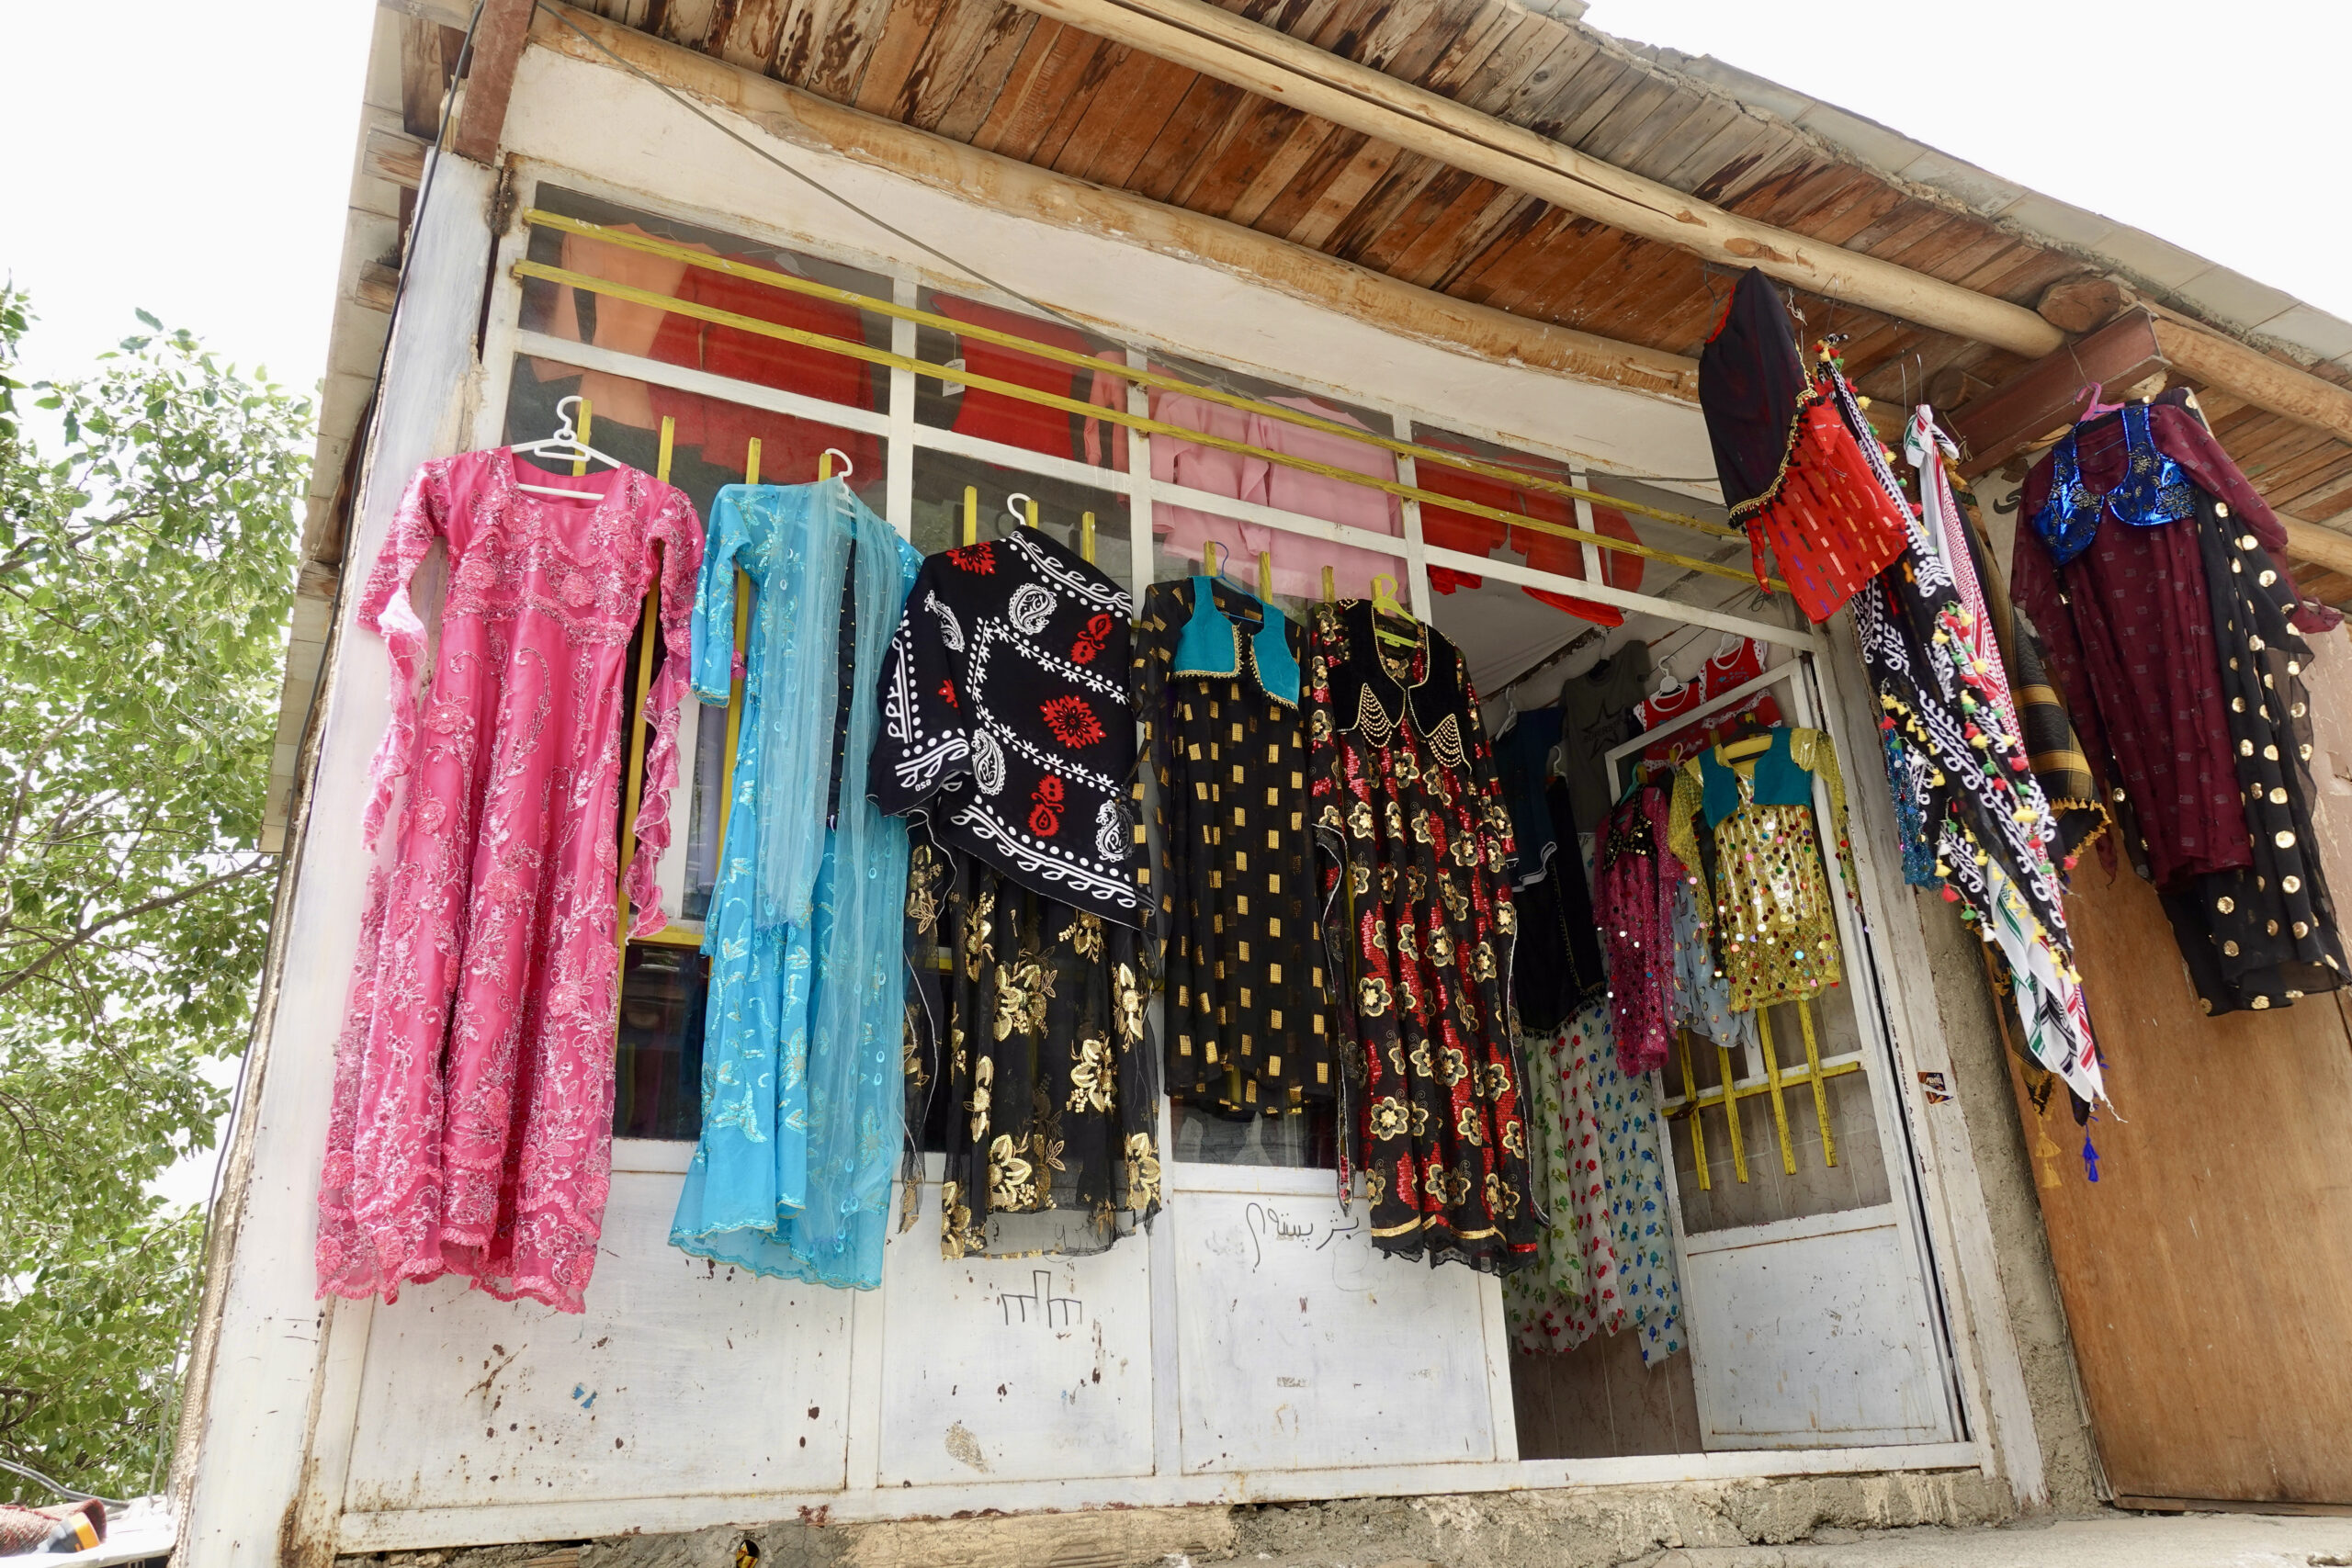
471, 1127
1634, 902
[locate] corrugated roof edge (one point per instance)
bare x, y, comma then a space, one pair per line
2263, 316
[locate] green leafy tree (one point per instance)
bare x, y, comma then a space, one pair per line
146, 576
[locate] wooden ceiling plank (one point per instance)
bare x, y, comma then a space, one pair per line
1738, 158
1202, 116
852, 32
1019, 121
2326, 498
1633, 141
1464, 58
1060, 149
1588, 98
2314, 477
1558, 65
425, 76
1471, 226
1671, 147
961, 118
1362, 228
1305, 139
1153, 92
1528, 48
1347, 188
1407, 36
966, 31
904, 33
797, 35
1468, 281
1256, 129
745, 33
1306, 190
1425, 218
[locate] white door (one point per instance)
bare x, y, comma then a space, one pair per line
1804, 1274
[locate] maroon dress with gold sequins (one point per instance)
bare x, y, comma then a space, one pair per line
1418, 919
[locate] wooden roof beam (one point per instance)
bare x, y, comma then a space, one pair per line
490, 78
1288, 70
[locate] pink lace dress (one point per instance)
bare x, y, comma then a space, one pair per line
471, 1127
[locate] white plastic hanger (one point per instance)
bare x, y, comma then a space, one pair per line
564, 447
1669, 682
846, 468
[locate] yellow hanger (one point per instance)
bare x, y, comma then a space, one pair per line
1384, 603
1740, 751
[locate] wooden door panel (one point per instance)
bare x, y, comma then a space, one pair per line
2207, 1273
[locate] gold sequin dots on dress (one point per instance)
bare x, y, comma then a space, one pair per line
1218, 691
1770, 892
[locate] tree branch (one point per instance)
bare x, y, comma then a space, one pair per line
83, 936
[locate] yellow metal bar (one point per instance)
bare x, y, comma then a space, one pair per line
1076, 360
971, 514
1266, 576
1820, 1089
1772, 1084
751, 461
1731, 1112
1331, 593
1028, 513
824, 465
1086, 538
1689, 1084
1143, 423
587, 418
1208, 558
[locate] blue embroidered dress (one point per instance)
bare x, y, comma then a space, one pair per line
801, 1104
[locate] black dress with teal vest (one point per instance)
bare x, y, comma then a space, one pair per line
1217, 690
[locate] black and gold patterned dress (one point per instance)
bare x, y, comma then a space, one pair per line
1217, 690
1008, 742
1421, 929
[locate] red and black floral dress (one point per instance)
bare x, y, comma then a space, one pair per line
1421, 929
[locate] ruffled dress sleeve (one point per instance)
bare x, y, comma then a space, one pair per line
678, 533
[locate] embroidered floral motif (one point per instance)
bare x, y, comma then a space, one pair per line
980, 559
1045, 807
1072, 722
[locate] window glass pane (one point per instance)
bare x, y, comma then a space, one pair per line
714, 429
657, 1088
987, 415
1182, 529
942, 477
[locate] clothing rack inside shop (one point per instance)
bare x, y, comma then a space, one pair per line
1713, 705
